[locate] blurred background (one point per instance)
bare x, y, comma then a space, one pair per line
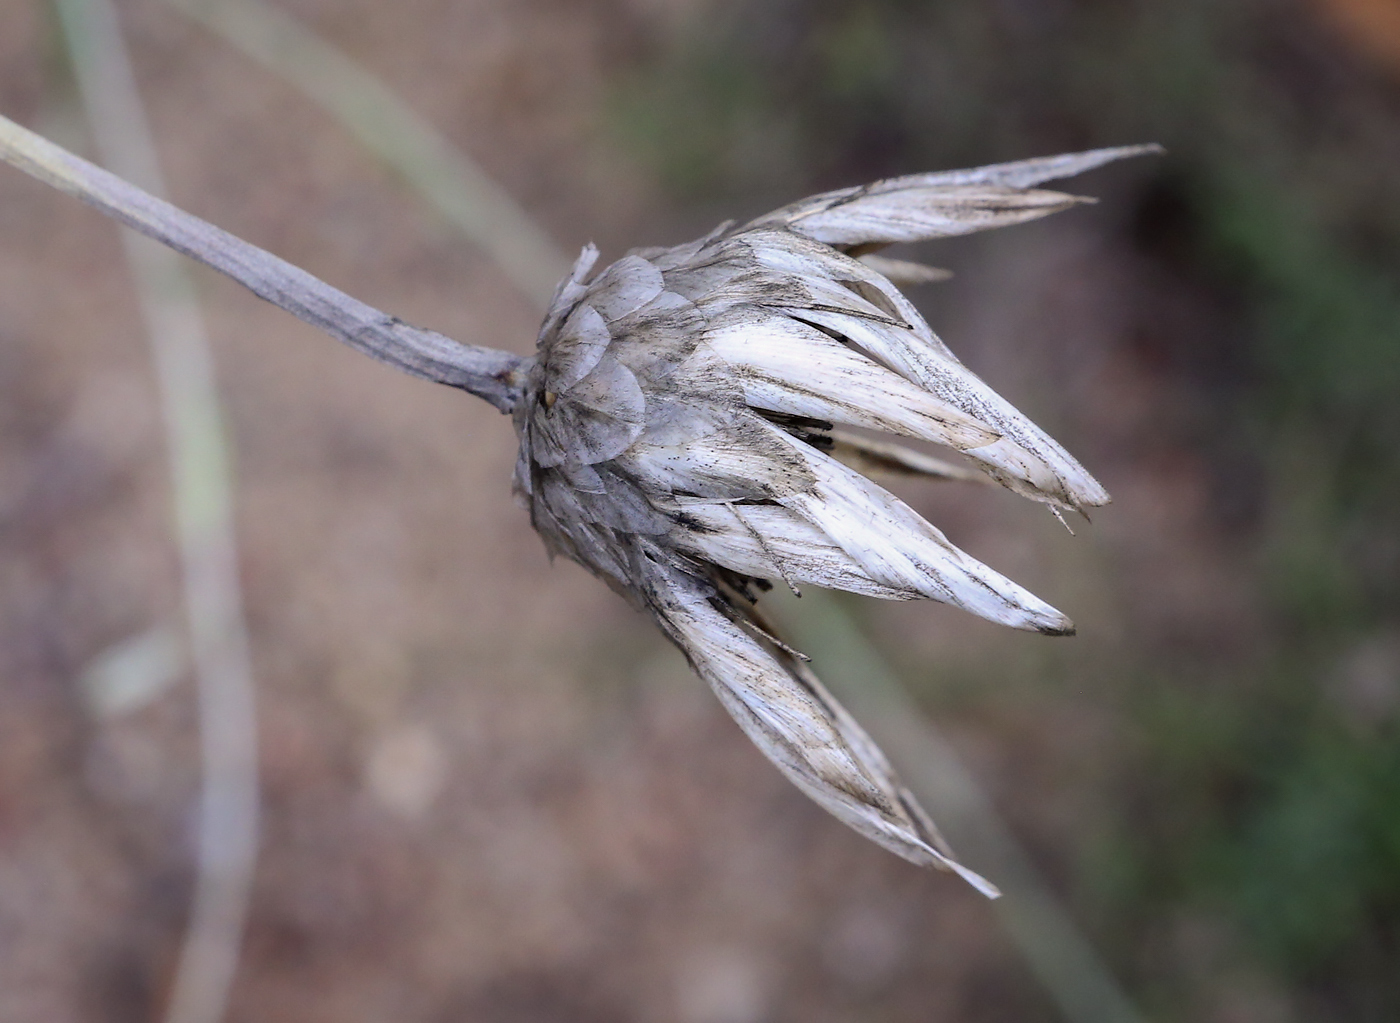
492, 792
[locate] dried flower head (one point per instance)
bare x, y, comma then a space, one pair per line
678, 430
679, 437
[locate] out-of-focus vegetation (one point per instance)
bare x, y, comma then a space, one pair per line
1263, 790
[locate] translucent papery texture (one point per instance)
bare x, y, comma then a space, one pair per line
851, 302
795, 722
918, 207
677, 438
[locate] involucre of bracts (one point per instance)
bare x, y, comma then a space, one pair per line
680, 437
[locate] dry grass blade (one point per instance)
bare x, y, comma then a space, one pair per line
197, 444
1057, 952
466, 196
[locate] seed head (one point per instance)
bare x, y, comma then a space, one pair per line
681, 437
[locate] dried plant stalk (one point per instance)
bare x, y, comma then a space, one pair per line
428, 355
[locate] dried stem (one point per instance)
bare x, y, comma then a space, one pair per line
487, 373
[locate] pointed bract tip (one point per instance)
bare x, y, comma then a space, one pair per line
1136, 149
977, 881
1112, 154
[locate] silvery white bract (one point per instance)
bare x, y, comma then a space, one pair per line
679, 437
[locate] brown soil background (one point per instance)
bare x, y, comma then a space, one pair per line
492, 792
